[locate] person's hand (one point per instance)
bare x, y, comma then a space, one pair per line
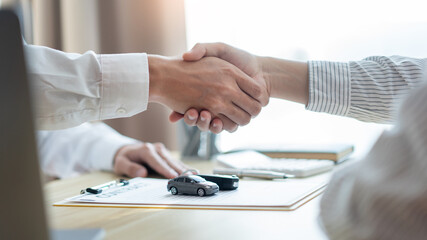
203, 121
209, 84
245, 61
280, 78
133, 160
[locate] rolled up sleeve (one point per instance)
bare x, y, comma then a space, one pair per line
368, 90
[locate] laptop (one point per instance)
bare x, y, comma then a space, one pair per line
22, 213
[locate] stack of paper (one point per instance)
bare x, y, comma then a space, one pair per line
281, 195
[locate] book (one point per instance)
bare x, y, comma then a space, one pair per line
335, 152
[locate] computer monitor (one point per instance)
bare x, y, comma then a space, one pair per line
22, 214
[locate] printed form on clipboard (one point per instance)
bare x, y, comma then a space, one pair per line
279, 195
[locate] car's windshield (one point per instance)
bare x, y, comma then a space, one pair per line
197, 179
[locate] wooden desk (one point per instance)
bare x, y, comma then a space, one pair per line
123, 223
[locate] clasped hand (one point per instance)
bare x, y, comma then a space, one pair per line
207, 84
241, 66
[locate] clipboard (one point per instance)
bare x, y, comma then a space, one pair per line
278, 195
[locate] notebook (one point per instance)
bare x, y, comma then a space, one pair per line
22, 213
335, 152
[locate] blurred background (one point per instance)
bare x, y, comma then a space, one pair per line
335, 30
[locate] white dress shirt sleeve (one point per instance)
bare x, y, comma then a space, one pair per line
71, 89
88, 147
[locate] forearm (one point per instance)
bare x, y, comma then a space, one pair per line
74, 88
367, 90
286, 79
88, 147
378, 85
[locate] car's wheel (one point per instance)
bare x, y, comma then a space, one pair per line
201, 192
174, 190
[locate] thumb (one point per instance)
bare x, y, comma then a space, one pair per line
175, 117
196, 53
131, 169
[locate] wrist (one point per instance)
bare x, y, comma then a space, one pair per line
156, 69
263, 66
286, 79
118, 152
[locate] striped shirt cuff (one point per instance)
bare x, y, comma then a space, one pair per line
329, 87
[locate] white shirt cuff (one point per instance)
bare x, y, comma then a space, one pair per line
125, 84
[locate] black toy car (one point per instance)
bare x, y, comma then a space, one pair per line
192, 184
225, 182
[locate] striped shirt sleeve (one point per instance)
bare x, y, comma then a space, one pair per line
367, 90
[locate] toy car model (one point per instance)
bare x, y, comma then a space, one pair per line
225, 182
192, 184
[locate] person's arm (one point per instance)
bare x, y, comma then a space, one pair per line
384, 196
366, 90
89, 147
71, 88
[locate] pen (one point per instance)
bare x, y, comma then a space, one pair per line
251, 173
99, 188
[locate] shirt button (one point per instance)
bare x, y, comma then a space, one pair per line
121, 111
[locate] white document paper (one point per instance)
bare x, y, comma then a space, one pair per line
149, 191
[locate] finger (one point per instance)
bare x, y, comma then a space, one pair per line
229, 125
175, 116
178, 166
236, 114
248, 104
191, 116
216, 126
204, 120
156, 162
250, 86
196, 53
124, 166
201, 50
233, 56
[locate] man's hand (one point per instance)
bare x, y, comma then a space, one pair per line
133, 160
281, 79
209, 84
248, 63
203, 121
245, 61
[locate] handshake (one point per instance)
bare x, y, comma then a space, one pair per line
218, 87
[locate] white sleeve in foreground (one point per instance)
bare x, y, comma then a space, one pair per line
71, 89
384, 196
88, 147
